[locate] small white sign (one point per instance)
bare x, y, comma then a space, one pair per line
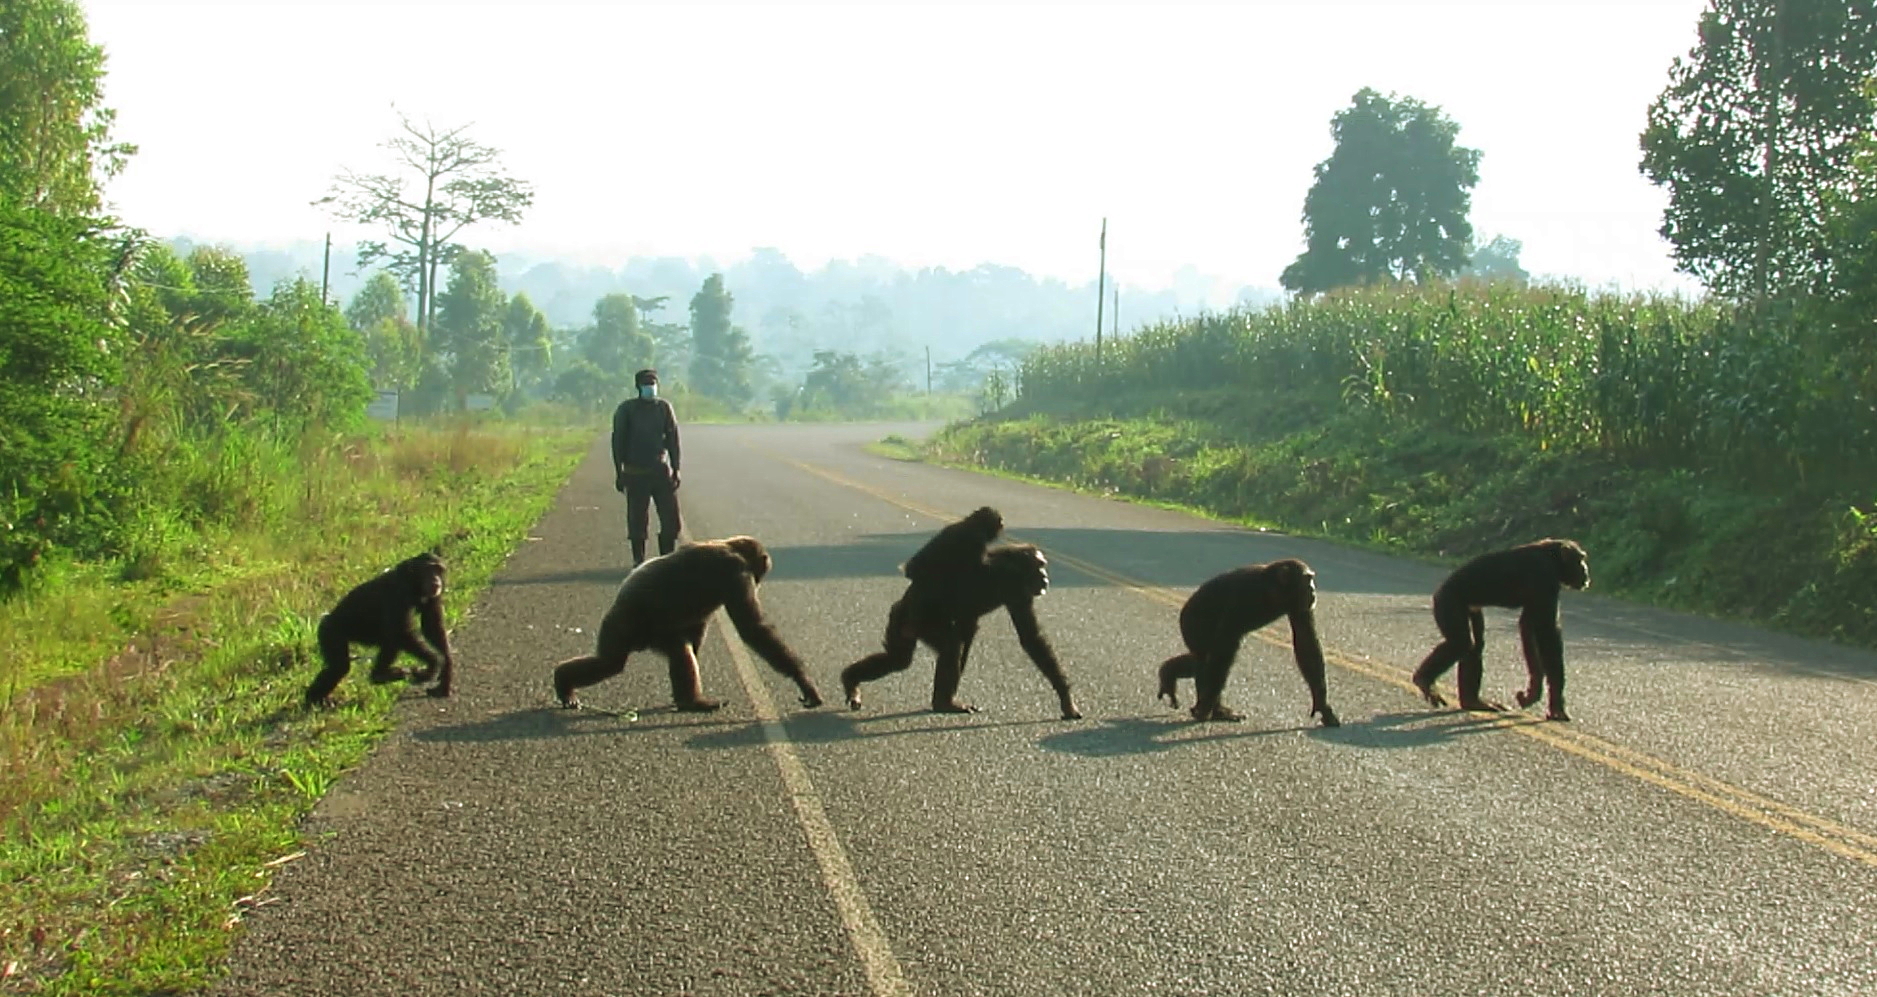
479, 403
385, 406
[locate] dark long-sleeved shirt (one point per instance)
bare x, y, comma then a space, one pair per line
645, 430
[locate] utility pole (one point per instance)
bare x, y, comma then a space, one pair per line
928, 370
325, 271
1101, 288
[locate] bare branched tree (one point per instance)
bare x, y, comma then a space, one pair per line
447, 183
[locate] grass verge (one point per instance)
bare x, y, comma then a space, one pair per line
895, 447
1683, 537
154, 763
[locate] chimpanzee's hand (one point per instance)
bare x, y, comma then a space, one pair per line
619, 480
675, 479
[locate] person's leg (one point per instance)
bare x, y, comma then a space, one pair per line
638, 514
669, 522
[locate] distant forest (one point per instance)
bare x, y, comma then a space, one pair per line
869, 307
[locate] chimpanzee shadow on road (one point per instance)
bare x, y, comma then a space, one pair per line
1119, 736
840, 725
1419, 728
1113, 737
550, 721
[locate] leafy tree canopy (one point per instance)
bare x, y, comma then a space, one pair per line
526, 331
616, 344
1497, 260
306, 366
1753, 135
55, 143
470, 312
222, 289
380, 300
1391, 201
722, 357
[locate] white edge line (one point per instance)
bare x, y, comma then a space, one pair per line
870, 943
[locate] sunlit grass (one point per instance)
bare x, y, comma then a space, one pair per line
895, 447
1658, 532
152, 754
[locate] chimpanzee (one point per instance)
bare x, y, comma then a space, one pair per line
956, 549
1012, 576
663, 605
1526, 578
378, 613
1225, 608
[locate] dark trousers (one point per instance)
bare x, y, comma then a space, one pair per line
644, 489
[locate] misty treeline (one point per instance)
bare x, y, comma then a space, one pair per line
484, 341
1763, 140
975, 324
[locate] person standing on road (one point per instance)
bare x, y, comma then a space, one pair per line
645, 464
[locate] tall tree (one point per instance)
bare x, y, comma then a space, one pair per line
468, 336
1753, 135
721, 353
671, 341
379, 313
526, 331
1391, 201
55, 144
447, 183
616, 344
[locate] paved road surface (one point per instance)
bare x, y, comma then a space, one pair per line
1707, 825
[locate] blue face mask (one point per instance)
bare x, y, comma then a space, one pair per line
648, 391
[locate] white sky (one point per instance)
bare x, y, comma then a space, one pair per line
930, 135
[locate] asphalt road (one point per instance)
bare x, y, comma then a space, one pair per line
1705, 825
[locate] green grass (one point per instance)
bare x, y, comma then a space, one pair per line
1644, 376
1712, 459
895, 447
1694, 539
152, 768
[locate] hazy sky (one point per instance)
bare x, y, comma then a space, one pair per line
930, 135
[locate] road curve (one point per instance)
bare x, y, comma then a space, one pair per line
1706, 825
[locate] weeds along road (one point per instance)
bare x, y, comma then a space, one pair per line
1707, 824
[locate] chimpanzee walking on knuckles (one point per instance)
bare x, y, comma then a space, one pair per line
379, 613
664, 607
1528, 578
645, 464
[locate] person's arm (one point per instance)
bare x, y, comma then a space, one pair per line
622, 419
622, 428
671, 438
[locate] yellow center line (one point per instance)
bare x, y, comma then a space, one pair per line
1830, 835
